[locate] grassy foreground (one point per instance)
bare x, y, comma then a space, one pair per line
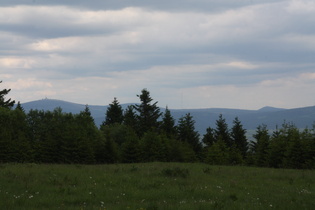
154, 186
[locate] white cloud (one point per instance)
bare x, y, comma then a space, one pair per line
242, 65
28, 83
9, 62
308, 76
46, 45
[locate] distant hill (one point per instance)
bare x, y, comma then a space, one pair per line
269, 109
301, 117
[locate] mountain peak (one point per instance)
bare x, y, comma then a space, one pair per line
269, 109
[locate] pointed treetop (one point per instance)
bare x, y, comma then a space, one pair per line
19, 107
114, 113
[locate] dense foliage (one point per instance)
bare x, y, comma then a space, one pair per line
142, 133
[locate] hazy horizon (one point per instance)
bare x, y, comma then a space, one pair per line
83, 104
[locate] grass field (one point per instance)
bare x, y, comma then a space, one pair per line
154, 186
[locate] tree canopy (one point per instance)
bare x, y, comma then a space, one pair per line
142, 134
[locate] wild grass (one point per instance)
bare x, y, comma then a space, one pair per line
154, 186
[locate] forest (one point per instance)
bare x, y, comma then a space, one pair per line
142, 133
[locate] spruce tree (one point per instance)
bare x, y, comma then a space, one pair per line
130, 118
188, 134
114, 113
286, 149
3, 102
148, 113
261, 146
19, 107
208, 138
238, 135
222, 131
89, 134
168, 123
295, 153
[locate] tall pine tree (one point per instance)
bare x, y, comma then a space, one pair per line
261, 146
239, 139
148, 113
130, 118
208, 138
114, 113
222, 131
188, 134
168, 124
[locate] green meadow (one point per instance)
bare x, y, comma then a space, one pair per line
154, 186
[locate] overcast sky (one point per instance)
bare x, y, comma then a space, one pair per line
188, 53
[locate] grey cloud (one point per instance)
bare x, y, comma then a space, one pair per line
49, 31
185, 33
41, 26
183, 5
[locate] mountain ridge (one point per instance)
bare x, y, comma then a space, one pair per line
302, 117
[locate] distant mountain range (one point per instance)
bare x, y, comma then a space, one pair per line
301, 117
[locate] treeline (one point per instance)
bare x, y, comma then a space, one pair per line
142, 133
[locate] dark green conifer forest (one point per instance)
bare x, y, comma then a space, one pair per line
142, 133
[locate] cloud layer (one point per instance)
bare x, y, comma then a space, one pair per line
188, 54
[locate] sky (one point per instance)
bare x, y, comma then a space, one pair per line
243, 54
